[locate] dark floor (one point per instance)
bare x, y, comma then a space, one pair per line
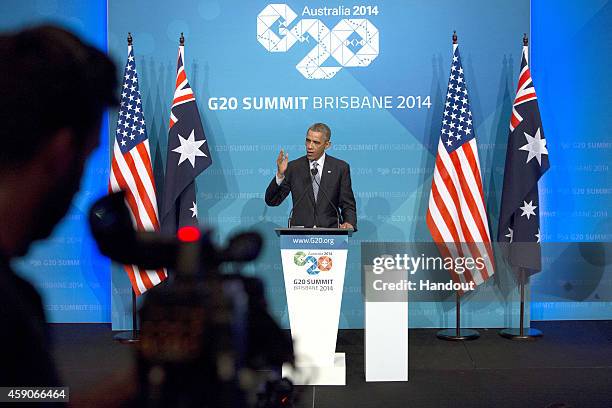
571, 364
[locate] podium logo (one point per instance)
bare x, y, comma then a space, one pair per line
351, 43
314, 265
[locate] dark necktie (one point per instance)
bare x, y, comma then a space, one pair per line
316, 180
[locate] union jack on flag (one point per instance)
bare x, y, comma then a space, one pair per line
131, 171
456, 217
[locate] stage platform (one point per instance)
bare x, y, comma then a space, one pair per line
571, 364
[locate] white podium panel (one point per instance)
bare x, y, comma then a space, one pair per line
313, 268
386, 341
386, 333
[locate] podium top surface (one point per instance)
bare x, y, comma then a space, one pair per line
313, 231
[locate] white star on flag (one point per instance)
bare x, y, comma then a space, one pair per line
189, 149
528, 209
538, 235
510, 234
536, 147
194, 210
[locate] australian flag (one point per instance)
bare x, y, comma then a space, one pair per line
526, 162
187, 156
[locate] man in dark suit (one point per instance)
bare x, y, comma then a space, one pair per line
319, 185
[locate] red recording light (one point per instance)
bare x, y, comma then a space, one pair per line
188, 234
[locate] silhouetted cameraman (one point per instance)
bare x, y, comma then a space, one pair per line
55, 90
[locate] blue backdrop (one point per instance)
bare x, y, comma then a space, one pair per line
572, 48
390, 150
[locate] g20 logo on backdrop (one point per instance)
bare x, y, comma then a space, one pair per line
351, 43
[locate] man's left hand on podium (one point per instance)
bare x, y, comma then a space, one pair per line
346, 225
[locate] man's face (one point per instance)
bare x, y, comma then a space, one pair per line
315, 145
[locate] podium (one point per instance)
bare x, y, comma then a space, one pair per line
314, 264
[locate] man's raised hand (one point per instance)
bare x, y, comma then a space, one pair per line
281, 163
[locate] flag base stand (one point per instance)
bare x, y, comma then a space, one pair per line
127, 337
522, 333
458, 334
516, 334
131, 336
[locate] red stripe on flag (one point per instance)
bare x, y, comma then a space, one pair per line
161, 274
180, 78
144, 276
475, 251
443, 210
469, 154
448, 182
128, 193
130, 273
525, 76
144, 156
129, 269
183, 98
524, 98
514, 121
142, 192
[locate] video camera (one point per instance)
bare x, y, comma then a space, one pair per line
206, 336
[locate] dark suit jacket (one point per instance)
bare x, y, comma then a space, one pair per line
335, 181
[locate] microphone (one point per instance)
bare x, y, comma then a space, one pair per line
295, 205
314, 172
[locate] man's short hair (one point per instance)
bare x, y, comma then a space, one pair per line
321, 128
50, 80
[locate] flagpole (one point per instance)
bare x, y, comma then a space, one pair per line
458, 334
129, 337
521, 333
458, 317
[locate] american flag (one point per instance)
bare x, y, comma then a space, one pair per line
187, 156
456, 217
131, 171
526, 162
